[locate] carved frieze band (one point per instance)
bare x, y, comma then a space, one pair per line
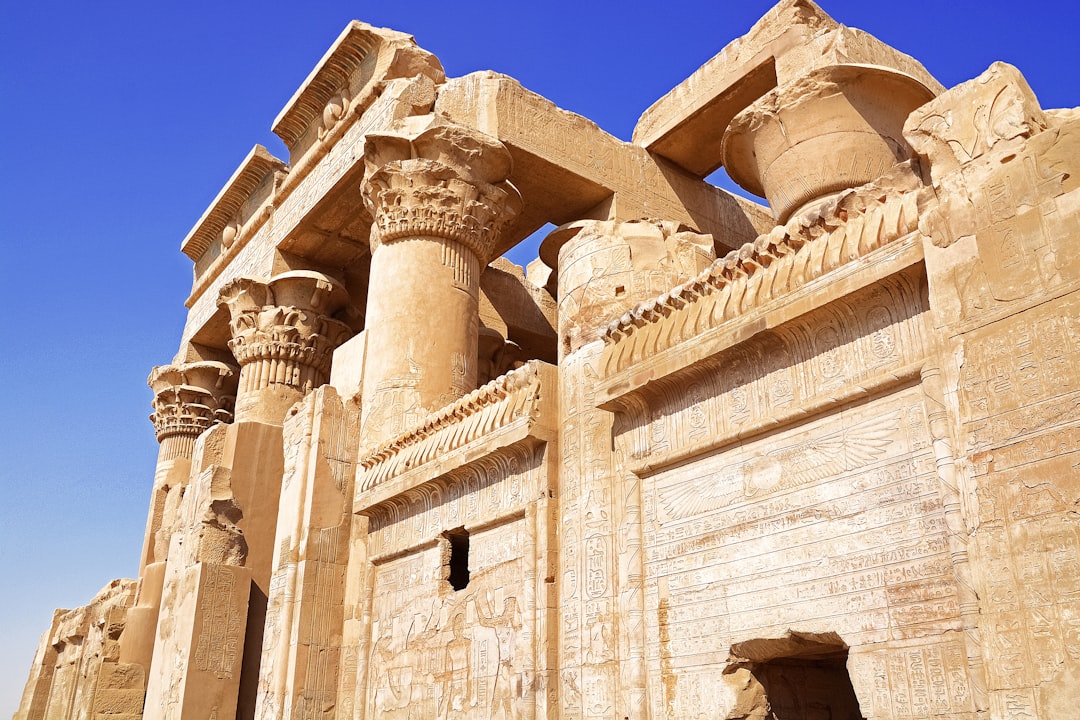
190, 397
857, 346
446, 182
486, 490
282, 329
517, 396
775, 264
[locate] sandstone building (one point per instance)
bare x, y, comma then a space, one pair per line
815, 458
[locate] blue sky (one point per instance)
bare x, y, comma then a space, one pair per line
121, 122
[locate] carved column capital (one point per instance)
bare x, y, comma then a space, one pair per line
446, 182
188, 399
282, 329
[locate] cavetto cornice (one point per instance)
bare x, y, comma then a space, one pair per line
227, 206
333, 85
513, 408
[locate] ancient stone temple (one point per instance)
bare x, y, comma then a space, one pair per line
817, 457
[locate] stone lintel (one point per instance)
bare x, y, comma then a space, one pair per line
246, 191
687, 124
567, 168
346, 81
315, 213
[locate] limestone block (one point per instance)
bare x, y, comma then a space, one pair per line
567, 168
520, 311
75, 657
347, 367
793, 39
199, 647
604, 268
301, 649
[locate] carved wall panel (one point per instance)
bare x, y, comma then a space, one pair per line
437, 652
834, 525
441, 647
839, 352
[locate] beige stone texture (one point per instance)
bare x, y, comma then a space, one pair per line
701, 458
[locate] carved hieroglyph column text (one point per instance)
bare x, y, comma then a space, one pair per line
440, 200
283, 337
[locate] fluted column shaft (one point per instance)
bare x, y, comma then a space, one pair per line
439, 200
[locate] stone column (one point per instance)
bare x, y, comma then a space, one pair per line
440, 200
604, 268
283, 337
188, 399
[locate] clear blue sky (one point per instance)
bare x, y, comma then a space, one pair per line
121, 122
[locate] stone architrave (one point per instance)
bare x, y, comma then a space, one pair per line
439, 198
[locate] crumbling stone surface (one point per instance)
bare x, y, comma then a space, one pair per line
702, 458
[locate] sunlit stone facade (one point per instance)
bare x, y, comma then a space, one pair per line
817, 457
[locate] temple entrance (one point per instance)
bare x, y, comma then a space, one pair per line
800, 677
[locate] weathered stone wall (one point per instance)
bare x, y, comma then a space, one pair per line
831, 472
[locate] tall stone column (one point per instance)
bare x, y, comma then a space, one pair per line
188, 399
440, 200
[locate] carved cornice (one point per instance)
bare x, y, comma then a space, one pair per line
447, 182
339, 84
224, 219
284, 328
775, 264
190, 397
520, 397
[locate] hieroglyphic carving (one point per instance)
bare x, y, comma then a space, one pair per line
914, 678
858, 344
590, 592
220, 633
778, 263
494, 486
759, 564
302, 642
458, 655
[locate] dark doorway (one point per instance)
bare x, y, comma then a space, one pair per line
458, 561
801, 677
809, 688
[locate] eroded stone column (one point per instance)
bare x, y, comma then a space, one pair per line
283, 338
604, 269
440, 199
837, 127
189, 398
